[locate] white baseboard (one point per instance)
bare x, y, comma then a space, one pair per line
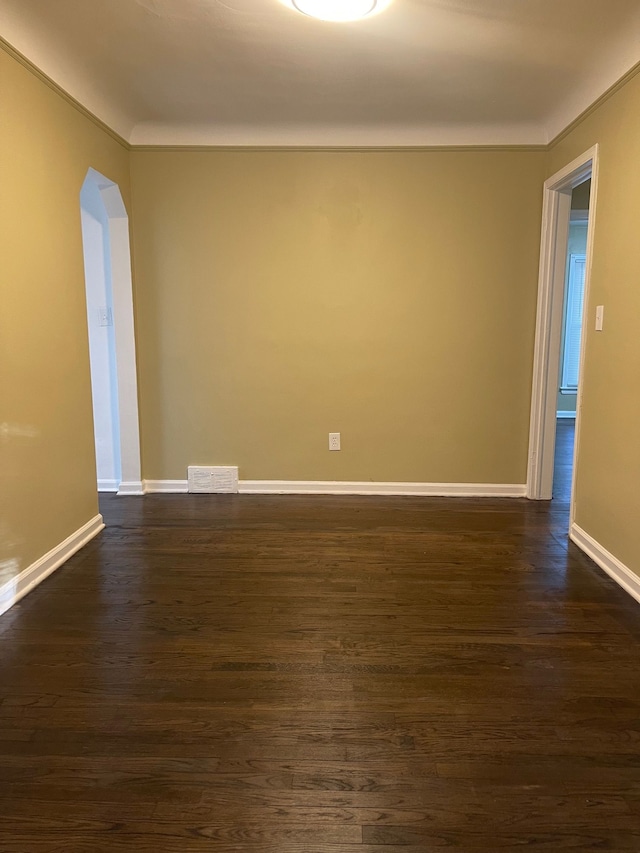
15, 588
345, 487
131, 487
108, 485
166, 487
621, 574
561, 415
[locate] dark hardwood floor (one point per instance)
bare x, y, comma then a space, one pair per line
322, 675
563, 464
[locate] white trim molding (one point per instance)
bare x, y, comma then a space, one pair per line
305, 135
620, 573
346, 487
124, 331
568, 415
45, 59
131, 487
15, 588
556, 212
165, 487
108, 485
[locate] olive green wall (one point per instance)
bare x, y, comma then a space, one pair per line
608, 462
47, 462
389, 296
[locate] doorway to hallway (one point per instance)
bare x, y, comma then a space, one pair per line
571, 339
559, 351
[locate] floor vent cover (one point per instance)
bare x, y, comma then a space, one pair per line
213, 479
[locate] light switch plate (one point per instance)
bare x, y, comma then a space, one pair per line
105, 316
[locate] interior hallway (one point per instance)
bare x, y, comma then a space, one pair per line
322, 675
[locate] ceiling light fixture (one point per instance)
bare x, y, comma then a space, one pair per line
336, 10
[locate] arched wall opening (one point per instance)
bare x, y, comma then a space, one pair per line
107, 262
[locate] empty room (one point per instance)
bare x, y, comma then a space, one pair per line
319, 426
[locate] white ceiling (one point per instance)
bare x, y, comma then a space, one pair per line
254, 72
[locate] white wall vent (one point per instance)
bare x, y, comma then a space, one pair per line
212, 479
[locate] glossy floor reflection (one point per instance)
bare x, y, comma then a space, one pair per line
322, 675
563, 465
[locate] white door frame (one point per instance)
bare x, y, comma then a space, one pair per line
125, 344
556, 213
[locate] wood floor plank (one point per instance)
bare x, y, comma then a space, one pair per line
322, 674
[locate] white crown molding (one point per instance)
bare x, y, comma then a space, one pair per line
345, 487
41, 56
606, 74
617, 570
311, 136
54, 65
17, 587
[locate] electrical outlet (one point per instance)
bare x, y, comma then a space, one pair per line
334, 441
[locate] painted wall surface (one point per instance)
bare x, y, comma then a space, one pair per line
389, 296
577, 245
102, 348
47, 460
608, 461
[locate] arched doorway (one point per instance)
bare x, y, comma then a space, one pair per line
107, 261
